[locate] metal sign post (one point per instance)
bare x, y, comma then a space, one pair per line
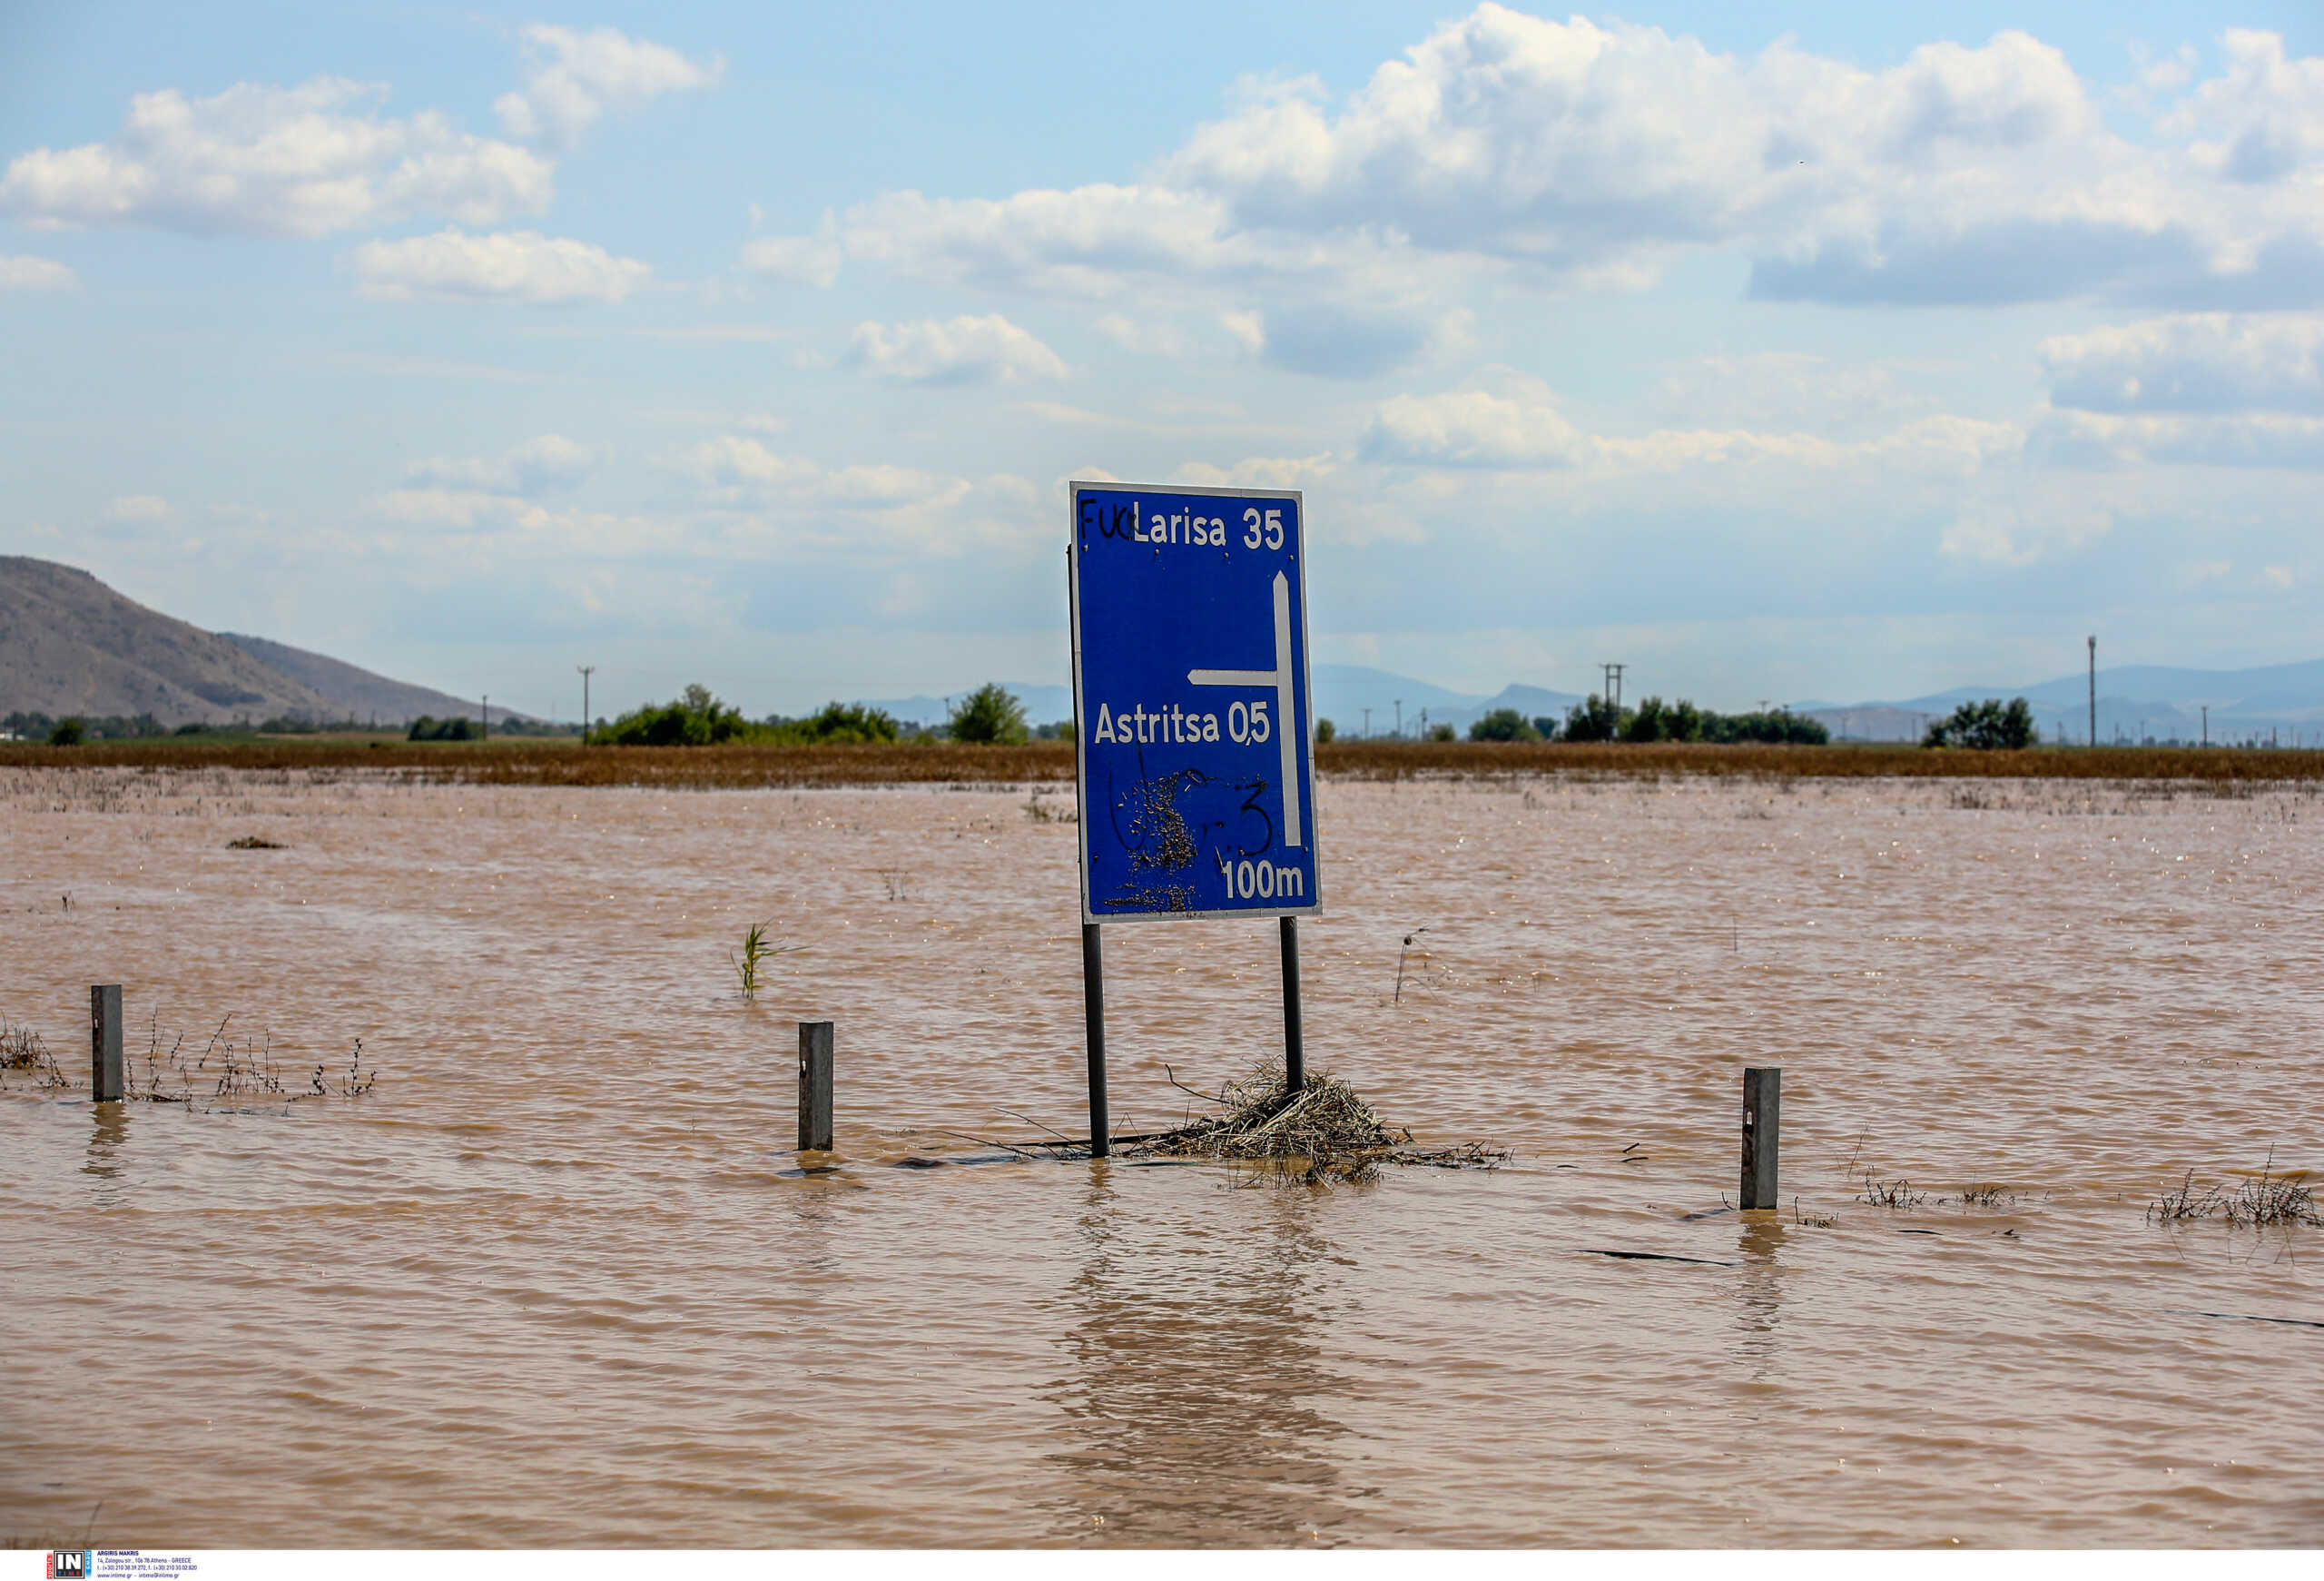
1193, 719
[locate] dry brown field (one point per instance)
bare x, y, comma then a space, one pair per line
519, 761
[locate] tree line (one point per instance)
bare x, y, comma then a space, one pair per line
697, 718
1598, 718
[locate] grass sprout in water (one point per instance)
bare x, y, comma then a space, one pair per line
756, 952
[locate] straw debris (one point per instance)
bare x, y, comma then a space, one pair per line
1321, 1133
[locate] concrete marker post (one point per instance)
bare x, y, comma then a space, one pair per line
815, 1086
106, 1084
1762, 1128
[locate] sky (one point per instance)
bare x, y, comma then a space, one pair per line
1815, 351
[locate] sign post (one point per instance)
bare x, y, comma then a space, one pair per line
1194, 721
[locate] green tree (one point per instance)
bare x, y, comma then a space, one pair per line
1991, 726
1646, 723
991, 715
1547, 725
66, 733
1503, 724
850, 721
696, 719
1441, 733
1593, 719
1325, 731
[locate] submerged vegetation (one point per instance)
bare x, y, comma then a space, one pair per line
225, 1071
2262, 1202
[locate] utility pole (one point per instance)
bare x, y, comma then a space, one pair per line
2093, 691
1614, 686
2207, 724
1367, 724
484, 716
586, 671
1400, 717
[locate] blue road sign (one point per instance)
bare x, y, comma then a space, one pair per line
1191, 701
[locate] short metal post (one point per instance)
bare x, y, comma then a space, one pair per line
1093, 1009
1762, 1128
1294, 1045
815, 1086
104, 1044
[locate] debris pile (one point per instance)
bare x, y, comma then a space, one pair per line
1323, 1131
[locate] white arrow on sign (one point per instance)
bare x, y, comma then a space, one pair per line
1287, 715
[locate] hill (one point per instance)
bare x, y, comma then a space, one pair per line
69, 645
355, 693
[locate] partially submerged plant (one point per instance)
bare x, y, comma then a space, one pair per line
1896, 1193
756, 952
21, 1049
354, 1084
2269, 1200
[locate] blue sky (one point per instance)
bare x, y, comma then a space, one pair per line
1814, 350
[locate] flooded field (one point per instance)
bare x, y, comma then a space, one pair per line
557, 1280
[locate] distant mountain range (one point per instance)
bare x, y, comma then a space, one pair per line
2135, 702
70, 644
1344, 694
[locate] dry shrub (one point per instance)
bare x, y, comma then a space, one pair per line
22, 1050
1896, 1193
2269, 1200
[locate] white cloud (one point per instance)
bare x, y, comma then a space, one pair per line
1260, 472
1145, 336
1513, 423
508, 266
861, 511
25, 272
572, 78
962, 350
1586, 155
2014, 534
1473, 428
799, 260
2262, 119
255, 160
535, 466
2257, 439
139, 508
2210, 362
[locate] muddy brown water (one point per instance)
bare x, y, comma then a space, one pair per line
557, 1281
